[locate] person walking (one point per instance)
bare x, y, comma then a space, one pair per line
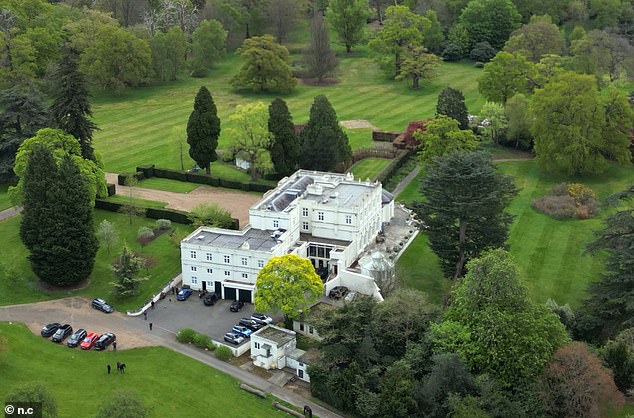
108, 366
150, 326
145, 315
152, 304
114, 346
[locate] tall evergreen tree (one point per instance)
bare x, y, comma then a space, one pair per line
451, 103
285, 147
203, 130
65, 253
126, 272
319, 56
71, 110
464, 211
324, 144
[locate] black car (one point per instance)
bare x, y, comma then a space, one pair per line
61, 333
251, 324
232, 338
210, 299
338, 292
50, 329
77, 337
104, 341
102, 305
236, 305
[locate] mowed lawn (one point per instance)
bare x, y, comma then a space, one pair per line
369, 168
550, 253
168, 184
173, 384
19, 284
147, 125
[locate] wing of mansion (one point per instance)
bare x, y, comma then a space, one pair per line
328, 218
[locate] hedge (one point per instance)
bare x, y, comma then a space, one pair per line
122, 179
384, 136
391, 168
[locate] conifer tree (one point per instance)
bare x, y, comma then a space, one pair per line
324, 144
451, 103
126, 271
285, 145
71, 110
203, 130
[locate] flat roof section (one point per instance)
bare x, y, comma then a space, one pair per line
275, 334
347, 194
258, 239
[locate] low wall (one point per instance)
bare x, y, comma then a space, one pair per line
236, 351
384, 136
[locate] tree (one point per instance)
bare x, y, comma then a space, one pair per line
265, 66
210, 214
576, 385
319, 57
65, 254
203, 130
251, 137
126, 273
24, 114
36, 393
465, 207
433, 35
168, 53
288, 284
451, 103
418, 65
569, 125
506, 75
495, 327
482, 52
208, 45
123, 404
490, 20
444, 136
282, 15
71, 111
324, 144
348, 19
380, 6
602, 52
401, 28
620, 359
494, 121
519, 122
285, 148
107, 234
538, 38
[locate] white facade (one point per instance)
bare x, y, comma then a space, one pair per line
326, 217
276, 348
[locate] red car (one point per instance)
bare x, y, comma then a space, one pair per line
89, 341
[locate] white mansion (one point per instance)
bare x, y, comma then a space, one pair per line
328, 218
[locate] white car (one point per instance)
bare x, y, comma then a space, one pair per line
262, 319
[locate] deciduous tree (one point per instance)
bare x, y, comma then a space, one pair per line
490, 20
208, 45
203, 130
285, 148
251, 137
442, 136
169, 50
451, 103
319, 57
536, 39
518, 131
494, 121
107, 234
506, 75
122, 404
287, 284
348, 20
282, 16
482, 52
210, 214
602, 52
418, 65
36, 393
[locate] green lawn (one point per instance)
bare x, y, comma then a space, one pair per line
359, 138
168, 184
137, 202
4, 197
175, 385
411, 192
369, 168
20, 285
549, 252
147, 125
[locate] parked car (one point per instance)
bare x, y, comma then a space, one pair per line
102, 305
242, 330
104, 341
251, 324
210, 299
236, 305
50, 329
77, 337
89, 341
338, 292
61, 333
233, 338
184, 294
262, 319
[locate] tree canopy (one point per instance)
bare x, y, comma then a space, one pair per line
203, 130
348, 20
252, 137
442, 136
285, 148
490, 20
451, 103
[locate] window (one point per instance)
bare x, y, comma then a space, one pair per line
194, 268
300, 373
209, 257
304, 226
320, 216
256, 345
276, 223
227, 259
349, 219
245, 276
304, 212
192, 254
210, 271
194, 280
301, 326
260, 263
311, 329
209, 284
244, 261
301, 364
227, 273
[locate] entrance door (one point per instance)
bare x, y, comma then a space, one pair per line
204, 285
230, 293
218, 289
244, 295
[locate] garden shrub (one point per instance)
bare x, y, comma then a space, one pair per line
201, 340
223, 353
211, 346
567, 201
145, 235
185, 335
163, 224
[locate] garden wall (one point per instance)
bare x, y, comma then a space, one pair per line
384, 136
